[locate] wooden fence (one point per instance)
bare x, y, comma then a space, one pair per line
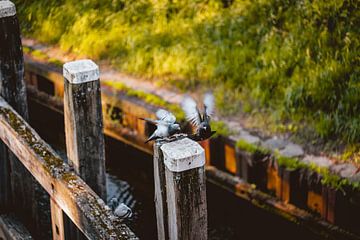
29, 164
22, 147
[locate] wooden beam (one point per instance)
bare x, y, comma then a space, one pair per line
184, 162
78, 201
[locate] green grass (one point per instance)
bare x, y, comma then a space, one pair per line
289, 60
251, 148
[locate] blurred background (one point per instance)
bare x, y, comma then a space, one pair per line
295, 62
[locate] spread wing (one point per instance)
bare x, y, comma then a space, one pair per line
156, 122
165, 116
209, 104
191, 111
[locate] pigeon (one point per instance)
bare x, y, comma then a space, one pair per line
120, 210
165, 123
201, 120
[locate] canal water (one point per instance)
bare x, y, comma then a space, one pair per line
130, 179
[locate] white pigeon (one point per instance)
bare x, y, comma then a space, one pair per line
166, 125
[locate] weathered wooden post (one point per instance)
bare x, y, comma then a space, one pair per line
14, 178
185, 186
10, 80
160, 192
84, 123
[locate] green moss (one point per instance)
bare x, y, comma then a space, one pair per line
328, 178
290, 163
51, 162
27, 50
251, 148
69, 177
148, 98
39, 55
220, 127
56, 62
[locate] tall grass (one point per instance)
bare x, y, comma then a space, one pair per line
298, 59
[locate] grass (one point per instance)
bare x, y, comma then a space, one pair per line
286, 60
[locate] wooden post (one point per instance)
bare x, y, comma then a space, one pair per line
84, 123
184, 162
84, 127
160, 192
14, 177
10, 61
57, 221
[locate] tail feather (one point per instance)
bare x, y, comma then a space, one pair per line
152, 137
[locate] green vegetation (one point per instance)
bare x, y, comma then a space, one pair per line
252, 148
293, 60
147, 97
290, 163
220, 127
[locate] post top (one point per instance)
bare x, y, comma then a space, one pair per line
7, 9
81, 71
182, 155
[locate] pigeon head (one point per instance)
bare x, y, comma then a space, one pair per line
174, 128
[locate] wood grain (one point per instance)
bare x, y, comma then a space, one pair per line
78, 201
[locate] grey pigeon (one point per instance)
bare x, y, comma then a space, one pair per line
120, 210
166, 125
200, 119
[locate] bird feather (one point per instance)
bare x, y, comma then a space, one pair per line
165, 116
191, 111
209, 104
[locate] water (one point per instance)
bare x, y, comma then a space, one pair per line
130, 178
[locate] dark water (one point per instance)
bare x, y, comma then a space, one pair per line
130, 178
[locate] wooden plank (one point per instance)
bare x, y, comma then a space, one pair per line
230, 159
78, 201
85, 144
57, 221
12, 229
185, 189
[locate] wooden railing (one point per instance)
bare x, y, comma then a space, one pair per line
22, 147
83, 206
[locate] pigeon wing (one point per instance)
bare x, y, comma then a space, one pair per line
155, 122
165, 116
162, 130
191, 111
209, 104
